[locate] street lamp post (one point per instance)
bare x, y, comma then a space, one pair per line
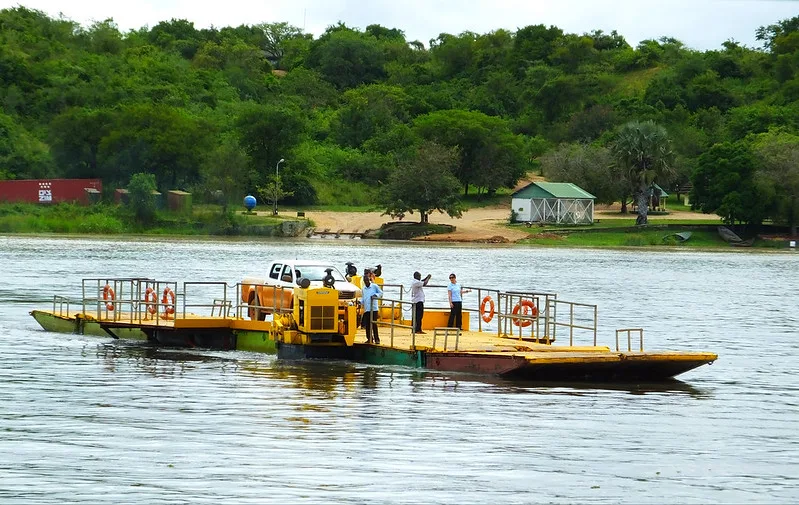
277, 178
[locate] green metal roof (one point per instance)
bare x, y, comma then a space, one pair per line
552, 190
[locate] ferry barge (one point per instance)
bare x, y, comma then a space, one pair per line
525, 335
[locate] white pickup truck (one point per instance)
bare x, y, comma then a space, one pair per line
286, 274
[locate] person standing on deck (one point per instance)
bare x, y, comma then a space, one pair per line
417, 299
455, 294
370, 294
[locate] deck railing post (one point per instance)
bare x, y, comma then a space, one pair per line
571, 324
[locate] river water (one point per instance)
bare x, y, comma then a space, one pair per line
91, 420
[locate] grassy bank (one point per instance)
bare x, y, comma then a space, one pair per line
693, 234
210, 220
111, 219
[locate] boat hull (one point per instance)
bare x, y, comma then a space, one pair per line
222, 338
543, 364
82, 326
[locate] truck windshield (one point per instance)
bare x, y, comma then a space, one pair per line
317, 272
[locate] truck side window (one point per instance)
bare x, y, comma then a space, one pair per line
275, 273
286, 274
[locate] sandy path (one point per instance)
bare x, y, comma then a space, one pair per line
476, 225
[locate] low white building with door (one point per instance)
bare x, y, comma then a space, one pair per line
553, 202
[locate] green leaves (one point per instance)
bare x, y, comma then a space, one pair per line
643, 151
424, 183
490, 155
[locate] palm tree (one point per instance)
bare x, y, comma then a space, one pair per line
643, 151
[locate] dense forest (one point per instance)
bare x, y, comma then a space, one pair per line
359, 116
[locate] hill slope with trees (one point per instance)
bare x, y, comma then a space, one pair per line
363, 115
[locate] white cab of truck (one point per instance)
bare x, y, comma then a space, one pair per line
286, 274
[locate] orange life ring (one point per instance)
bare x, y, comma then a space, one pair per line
487, 301
527, 308
168, 300
109, 296
151, 300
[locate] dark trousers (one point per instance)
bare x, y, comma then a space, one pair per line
369, 322
418, 308
455, 316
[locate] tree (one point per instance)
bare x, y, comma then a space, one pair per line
369, 110
490, 155
771, 34
141, 197
643, 151
424, 183
22, 156
588, 166
275, 37
347, 58
778, 156
723, 183
533, 44
176, 35
75, 136
168, 142
453, 55
269, 133
273, 191
227, 169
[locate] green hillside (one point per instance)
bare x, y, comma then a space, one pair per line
364, 116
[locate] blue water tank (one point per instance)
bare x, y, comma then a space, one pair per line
249, 202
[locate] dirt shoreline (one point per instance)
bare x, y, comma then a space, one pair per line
485, 224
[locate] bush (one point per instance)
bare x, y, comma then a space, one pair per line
141, 198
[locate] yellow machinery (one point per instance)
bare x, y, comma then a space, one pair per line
317, 317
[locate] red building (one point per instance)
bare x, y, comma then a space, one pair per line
84, 191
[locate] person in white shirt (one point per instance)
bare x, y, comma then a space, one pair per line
370, 295
417, 299
455, 294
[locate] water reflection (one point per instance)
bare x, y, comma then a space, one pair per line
329, 377
155, 360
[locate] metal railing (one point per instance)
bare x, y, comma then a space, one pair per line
160, 302
578, 319
629, 332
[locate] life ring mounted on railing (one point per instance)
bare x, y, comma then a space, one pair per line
525, 308
108, 297
168, 300
151, 300
487, 313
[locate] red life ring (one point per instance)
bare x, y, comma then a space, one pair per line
487, 301
109, 296
151, 300
527, 308
168, 300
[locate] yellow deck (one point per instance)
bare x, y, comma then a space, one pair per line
398, 337
488, 343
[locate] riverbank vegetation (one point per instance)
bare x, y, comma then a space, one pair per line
357, 116
114, 219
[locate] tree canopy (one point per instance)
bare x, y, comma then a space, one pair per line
350, 109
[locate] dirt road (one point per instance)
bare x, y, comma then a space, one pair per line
476, 225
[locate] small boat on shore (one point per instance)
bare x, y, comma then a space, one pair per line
525, 335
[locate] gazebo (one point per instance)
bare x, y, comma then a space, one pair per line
553, 202
657, 199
